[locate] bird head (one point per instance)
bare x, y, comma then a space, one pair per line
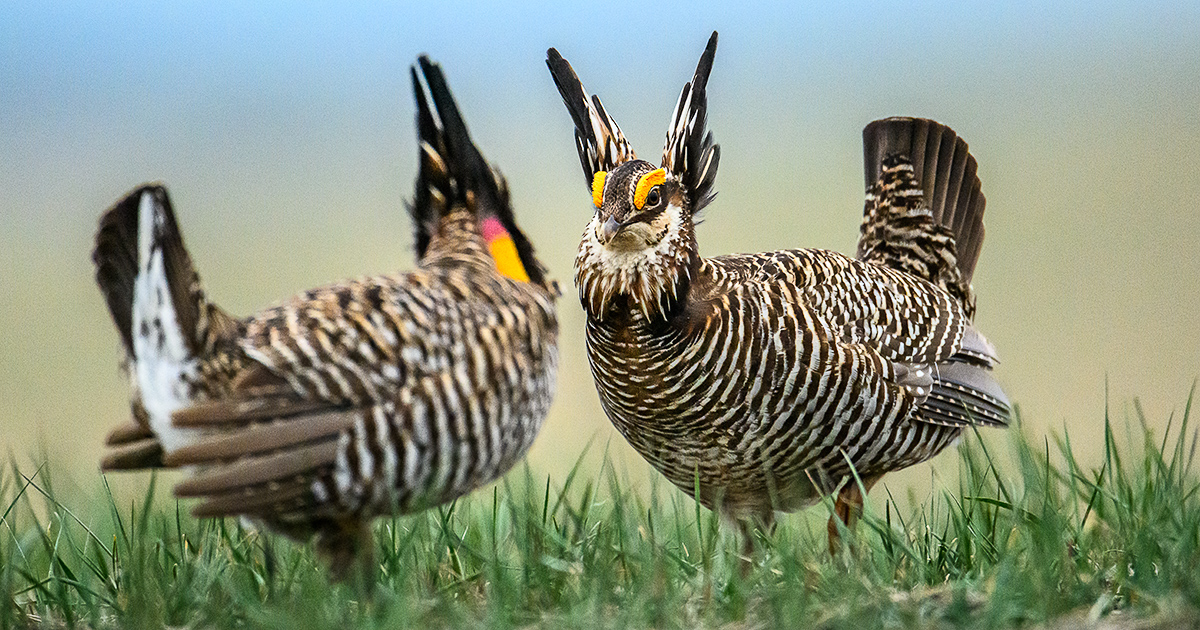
640, 241
636, 204
629, 191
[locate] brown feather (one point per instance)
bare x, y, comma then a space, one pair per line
259, 470
131, 455
131, 431
243, 411
256, 503
262, 438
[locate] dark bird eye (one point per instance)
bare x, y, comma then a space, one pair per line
652, 198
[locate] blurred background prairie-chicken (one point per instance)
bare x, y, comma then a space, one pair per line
378, 395
760, 379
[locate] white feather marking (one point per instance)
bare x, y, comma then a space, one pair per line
343, 477
160, 352
319, 491
366, 461
387, 443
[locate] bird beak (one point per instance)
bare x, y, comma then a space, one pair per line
609, 230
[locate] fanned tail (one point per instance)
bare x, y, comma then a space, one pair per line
164, 321
924, 216
924, 211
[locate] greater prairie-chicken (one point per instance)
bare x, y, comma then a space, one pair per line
378, 395
760, 379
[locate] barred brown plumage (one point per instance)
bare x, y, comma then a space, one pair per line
759, 380
378, 395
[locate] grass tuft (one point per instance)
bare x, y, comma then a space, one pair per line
1029, 535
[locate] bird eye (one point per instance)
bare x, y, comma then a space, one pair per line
652, 198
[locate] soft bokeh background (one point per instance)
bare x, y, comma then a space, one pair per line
285, 134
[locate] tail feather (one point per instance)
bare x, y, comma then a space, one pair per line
943, 170
453, 173
165, 323
116, 259
924, 215
138, 239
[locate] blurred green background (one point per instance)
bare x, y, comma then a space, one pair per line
285, 134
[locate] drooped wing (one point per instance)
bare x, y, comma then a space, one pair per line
935, 351
919, 330
321, 372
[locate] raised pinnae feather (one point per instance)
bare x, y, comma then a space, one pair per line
689, 152
433, 195
598, 138
453, 172
463, 159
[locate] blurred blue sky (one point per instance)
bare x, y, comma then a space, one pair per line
285, 134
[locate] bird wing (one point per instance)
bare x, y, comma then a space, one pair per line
902, 318
919, 332
936, 353
329, 361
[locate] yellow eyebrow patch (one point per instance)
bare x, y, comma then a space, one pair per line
598, 187
648, 181
503, 250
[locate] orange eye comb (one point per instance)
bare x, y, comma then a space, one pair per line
598, 187
503, 249
648, 181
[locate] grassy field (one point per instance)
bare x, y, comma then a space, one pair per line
1030, 538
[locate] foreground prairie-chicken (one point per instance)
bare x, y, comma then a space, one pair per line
378, 395
759, 379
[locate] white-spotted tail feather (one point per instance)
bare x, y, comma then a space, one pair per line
154, 297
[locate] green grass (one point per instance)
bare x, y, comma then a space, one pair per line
1028, 537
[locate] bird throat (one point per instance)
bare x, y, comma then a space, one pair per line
652, 281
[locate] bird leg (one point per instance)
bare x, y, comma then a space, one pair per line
347, 544
762, 522
848, 508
